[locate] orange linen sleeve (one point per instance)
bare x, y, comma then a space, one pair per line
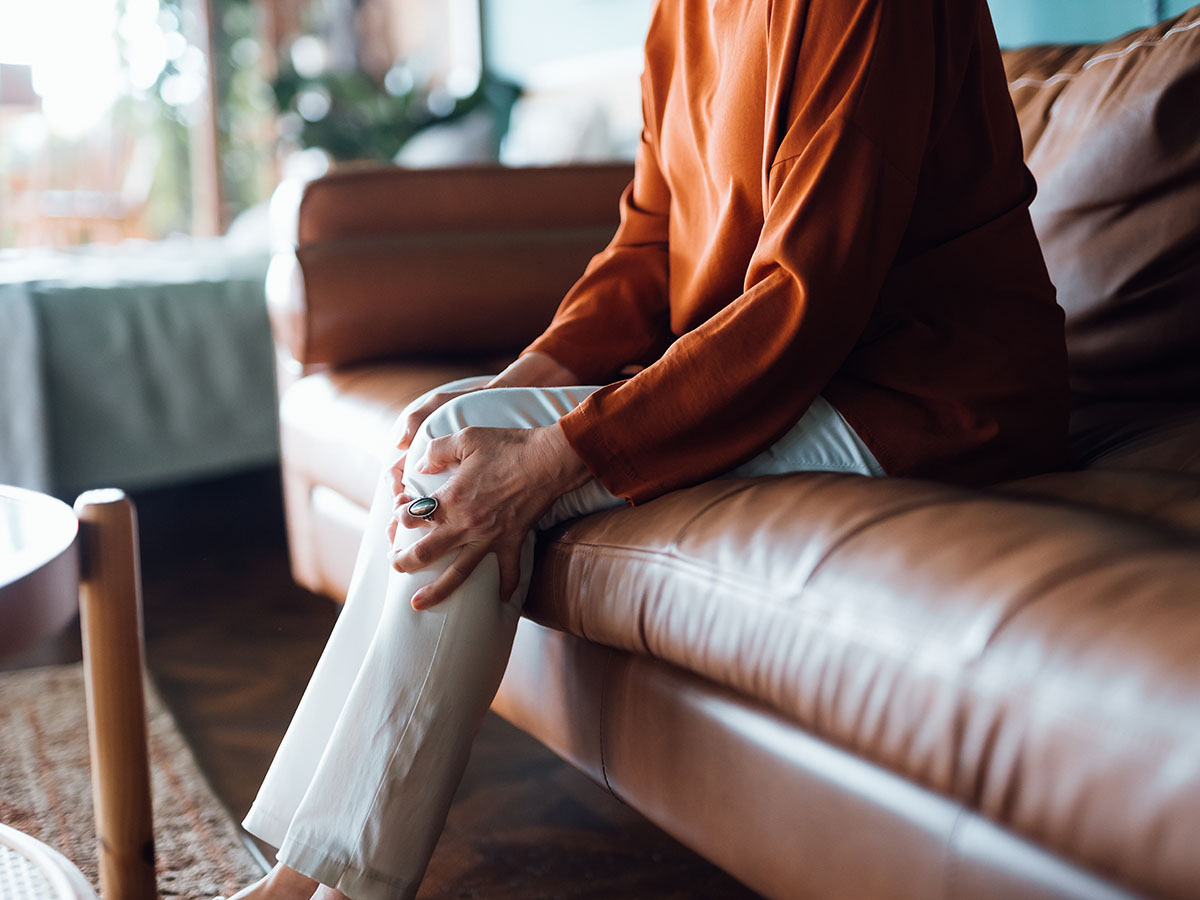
617, 313
855, 93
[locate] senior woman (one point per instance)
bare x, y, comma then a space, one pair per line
825, 262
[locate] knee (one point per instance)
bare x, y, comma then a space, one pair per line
398, 425
500, 408
449, 418
452, 416
479, 409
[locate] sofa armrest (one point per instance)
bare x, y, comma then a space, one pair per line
435, 262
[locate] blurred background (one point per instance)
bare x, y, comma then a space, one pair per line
142, 141
152, 153
151, 118
147, 118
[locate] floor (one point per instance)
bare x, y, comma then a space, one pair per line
230, 643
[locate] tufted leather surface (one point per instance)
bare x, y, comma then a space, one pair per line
1152, 498
968, 642
1139, 435
1141, 460
789, 814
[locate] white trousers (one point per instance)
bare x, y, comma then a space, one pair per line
359, 789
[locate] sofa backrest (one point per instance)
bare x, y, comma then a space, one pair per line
1112, 134
427, 263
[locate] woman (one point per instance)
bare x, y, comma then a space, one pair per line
825, 262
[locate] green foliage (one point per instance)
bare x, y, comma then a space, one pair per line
348, 114
245, 114
363, 121
169, 205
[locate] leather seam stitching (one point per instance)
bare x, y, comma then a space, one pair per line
603, 718
950, 872
1025, 81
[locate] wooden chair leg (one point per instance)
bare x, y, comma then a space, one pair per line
110, 605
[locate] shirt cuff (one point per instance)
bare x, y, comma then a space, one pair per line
585, 433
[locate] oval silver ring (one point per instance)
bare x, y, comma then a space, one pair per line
423, 507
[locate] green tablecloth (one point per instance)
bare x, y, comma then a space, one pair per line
134, 365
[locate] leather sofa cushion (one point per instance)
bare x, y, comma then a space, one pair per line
1113, 136
1034, 661
783, 811
1142, 459
1148, 436
1168, 499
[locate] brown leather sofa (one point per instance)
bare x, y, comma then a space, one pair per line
833, 687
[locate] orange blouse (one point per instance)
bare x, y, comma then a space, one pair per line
829, 198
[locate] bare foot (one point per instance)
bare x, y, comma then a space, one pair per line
281, 883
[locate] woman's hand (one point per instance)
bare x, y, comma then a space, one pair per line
506, 480
531, 370
415, 419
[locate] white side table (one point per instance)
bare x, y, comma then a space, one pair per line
32, 871
39, 568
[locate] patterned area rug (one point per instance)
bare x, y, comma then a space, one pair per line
45, 787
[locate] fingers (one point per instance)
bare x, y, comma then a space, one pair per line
510, 573
418, 416
396, 475
449, 581
400, 516
443, 452
464, 564
427, 550
410, 431
400, 503
490, 507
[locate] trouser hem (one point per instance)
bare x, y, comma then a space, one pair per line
336, 872
320, 865
266, 825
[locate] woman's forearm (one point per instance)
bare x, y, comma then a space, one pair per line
534, 370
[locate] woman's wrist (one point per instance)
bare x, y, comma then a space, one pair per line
534, 369
567, 470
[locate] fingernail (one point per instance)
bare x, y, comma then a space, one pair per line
418, 600
423, 465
